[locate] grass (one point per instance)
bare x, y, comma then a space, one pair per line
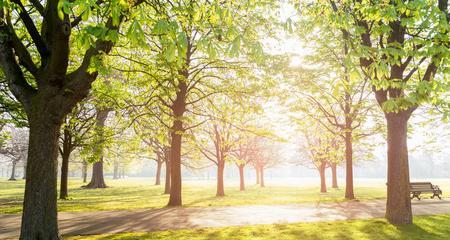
141, 193
424, 227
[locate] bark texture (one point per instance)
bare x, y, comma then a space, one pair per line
178, 109
175, 166
398, 205
349, 194
39, 218
97, 179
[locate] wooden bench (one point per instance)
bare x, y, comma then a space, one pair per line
417, 188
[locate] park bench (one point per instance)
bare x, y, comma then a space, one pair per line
417, 188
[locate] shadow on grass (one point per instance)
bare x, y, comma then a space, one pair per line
428, 227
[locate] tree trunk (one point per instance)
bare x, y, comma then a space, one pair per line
323, 183
158, 172
178, 109
84, 171
220, 186
116, 174
398, 206
97, 180
241, 177
261, 175
349, 193
63, 193
175, 166
13, 171
258, 177
39, 217
65, 155
24, 171
167, 182
334, 175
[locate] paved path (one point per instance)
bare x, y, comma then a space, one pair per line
84, 223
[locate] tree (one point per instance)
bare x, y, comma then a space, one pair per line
15, 149
321, 150
48, 82
263, 157
189, 42
75, 131
403, 49
242, 156
97, 148
336, 88
216, 139
153, 132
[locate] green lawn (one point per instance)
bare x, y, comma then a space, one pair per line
136, 193
424, 227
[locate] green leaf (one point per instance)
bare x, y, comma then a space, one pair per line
170, 52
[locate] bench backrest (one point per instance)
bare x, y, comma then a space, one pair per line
421, 185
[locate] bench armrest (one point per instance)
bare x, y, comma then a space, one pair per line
436, 187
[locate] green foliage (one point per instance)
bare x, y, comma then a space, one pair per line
396, 61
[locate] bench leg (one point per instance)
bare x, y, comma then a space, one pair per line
415, 195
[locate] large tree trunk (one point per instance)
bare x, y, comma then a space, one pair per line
241, 177
323, 182
398, 206
97, 180
178, 109
63, 192
261, 175
84, 171
158, 172
220, 186
167, 182
334, 175
39, 218
13, 171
